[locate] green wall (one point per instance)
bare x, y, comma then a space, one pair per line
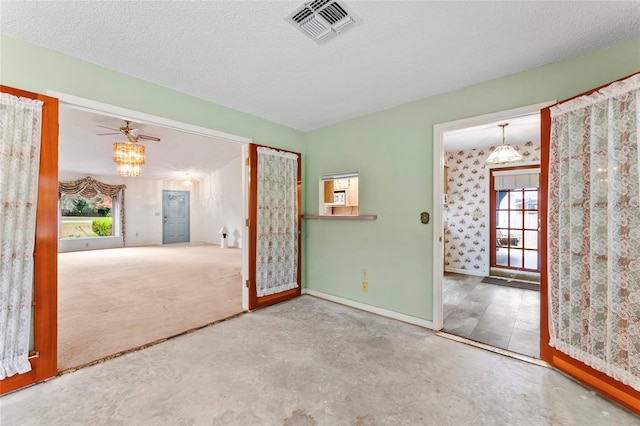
393, 151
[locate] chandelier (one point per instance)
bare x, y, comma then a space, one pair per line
504, 153
129, 158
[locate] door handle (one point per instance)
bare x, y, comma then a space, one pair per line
165, 219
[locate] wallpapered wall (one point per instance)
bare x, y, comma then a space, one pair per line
467, 224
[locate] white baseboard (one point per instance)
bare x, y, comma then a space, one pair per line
372, 309
467, 272
304, 291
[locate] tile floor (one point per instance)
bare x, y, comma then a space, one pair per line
505, 317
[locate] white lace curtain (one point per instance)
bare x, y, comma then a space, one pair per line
277, 222
594, 230
20, 135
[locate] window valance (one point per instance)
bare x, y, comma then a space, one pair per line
89, 187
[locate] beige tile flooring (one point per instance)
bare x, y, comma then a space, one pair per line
504, 317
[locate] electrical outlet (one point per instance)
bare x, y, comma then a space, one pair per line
365, 275
365, 287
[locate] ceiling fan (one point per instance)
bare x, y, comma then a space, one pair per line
131, 134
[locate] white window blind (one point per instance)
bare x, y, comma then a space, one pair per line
514, 179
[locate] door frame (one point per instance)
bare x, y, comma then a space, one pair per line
45, 293
438, 190
165, 192
492, 219
256, 302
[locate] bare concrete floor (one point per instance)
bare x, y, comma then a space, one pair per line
311, 362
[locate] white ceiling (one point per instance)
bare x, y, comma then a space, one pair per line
178, 153
520, 130
244, 55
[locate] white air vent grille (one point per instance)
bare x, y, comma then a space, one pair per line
322, 19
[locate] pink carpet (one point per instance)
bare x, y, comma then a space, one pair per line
114, 300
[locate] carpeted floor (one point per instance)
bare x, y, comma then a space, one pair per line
113, 300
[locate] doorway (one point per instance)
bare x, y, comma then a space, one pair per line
176, 210
468, 301
141, 275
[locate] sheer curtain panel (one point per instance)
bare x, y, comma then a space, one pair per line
20, 137
594, 230
277, 222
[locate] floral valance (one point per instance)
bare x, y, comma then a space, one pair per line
89, 187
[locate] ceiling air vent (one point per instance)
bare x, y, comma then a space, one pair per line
322, 19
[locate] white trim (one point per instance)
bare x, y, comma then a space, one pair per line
303, 291
518, 172
129, 114
517, 164
372, 309
344, 175
438, 190
482, 273
245, 234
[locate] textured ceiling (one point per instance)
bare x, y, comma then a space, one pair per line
244, 55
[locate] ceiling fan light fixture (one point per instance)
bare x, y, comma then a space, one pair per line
504, 153
129, 158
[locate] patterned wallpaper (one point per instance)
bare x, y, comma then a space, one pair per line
466, 247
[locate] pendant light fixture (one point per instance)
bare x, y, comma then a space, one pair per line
504, 153
129, 158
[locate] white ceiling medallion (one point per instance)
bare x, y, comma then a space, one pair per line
322, 19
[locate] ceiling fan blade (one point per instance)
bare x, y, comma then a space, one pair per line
149, 138
113, 133
107, 127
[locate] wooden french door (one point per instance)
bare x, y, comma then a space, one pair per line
514, 224
43, 357
256, 302
597, 380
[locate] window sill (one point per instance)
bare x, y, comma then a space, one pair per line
336, 217
89, 238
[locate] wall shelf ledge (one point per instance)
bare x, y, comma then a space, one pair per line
335, 217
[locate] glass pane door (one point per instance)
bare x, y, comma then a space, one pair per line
516, 229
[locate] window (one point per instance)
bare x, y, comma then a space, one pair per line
83, 217
90, 209
339, 194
